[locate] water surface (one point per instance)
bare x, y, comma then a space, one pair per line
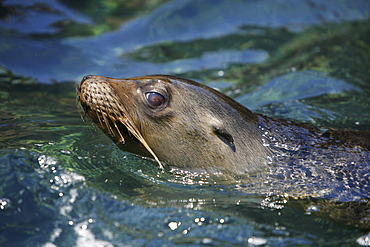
65, 184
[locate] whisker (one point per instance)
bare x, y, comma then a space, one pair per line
122, 139
137, 134
93, 128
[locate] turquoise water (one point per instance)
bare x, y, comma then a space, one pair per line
63, 183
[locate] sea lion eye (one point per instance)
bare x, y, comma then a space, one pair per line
155, 99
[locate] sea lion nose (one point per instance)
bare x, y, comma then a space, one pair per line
86, 77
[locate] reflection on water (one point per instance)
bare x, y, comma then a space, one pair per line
65, 184
175, 21
297, 85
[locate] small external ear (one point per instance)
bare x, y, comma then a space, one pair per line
225, 136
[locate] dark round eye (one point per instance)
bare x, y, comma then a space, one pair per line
155, 99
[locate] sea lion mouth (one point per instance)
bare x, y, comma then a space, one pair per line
102, 104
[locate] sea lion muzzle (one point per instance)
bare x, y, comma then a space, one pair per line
105, 107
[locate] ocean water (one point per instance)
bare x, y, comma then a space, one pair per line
63, 183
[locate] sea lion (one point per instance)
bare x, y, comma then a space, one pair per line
176, 121
187, 125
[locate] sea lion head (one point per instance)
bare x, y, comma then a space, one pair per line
177, 121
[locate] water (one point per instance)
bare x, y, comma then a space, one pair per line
65, 184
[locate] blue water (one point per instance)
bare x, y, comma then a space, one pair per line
63, 183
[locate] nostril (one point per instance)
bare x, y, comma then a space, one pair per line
87, 77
